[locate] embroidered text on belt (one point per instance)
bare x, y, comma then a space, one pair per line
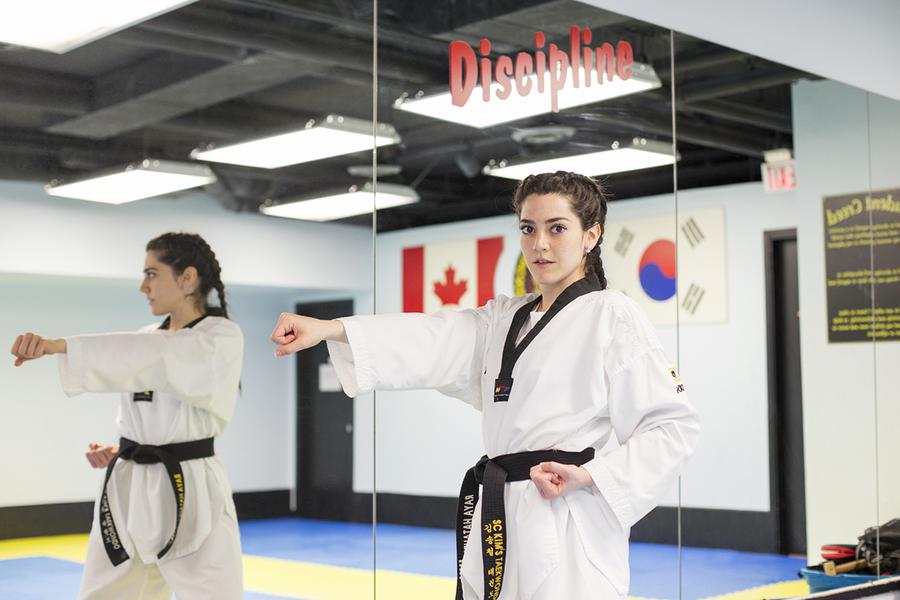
493, 474
171, 456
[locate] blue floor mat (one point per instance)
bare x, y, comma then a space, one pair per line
39, 579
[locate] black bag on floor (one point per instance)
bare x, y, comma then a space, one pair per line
880, 547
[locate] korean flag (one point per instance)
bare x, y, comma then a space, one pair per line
687, 286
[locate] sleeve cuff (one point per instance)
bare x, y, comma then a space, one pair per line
606, 486
71, 368
352, 361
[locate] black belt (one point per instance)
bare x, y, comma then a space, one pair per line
171, 456
494, 473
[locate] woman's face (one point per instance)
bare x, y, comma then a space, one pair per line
553, 241
165, 292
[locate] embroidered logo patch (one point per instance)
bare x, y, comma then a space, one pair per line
502, 388
146, 396
679, 387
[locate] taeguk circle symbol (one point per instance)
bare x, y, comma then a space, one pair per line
657, 270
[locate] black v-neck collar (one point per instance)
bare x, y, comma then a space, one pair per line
512, 351
168, 322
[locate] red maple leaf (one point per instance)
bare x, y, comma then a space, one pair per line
450, 291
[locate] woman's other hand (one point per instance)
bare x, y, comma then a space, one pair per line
30, 346
100, 456
554, 479
294, 333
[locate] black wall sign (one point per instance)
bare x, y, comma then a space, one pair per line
862, 266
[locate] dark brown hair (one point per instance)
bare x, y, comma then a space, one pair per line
588, 199
183, 250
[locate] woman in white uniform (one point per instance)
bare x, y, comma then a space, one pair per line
165, 519
555, 376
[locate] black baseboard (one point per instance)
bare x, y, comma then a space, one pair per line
45, 519
268, 504
76, 517
751, 531
396, 509
422, 511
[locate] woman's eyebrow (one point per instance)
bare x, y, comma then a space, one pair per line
553, 220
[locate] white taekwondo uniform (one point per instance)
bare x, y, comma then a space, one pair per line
193, 374
597, 369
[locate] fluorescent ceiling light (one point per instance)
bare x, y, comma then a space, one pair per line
639, 154
354, 201
62, 25
333, 136
478, 113
134, 182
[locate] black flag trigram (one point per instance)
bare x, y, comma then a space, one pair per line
624, 241
693, 297
692, 232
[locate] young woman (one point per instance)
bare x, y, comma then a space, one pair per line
165, 519
555, 376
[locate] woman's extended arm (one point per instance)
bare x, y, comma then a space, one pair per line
442, 351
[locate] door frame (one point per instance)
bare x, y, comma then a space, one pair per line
771, 239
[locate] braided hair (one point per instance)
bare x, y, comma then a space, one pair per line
183, 250
588, 199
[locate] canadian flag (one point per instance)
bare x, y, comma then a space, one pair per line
456, 274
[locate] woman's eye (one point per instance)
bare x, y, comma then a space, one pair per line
527, 229
558, 228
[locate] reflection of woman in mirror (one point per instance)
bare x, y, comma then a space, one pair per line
165, 520
555, 376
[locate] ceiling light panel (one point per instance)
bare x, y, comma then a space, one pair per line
134, 182
639, 154
63, 25
338, 205
478, 113
334, 135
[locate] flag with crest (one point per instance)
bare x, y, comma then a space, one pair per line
457, 274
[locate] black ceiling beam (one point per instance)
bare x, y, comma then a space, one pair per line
164, 86
315, 48
157, 40
695, 60
27, 89
42, 90
739, 84
733, 111
358, 28
738, 113
80, 153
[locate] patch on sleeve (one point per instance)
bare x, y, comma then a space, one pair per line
146, 396
679, 387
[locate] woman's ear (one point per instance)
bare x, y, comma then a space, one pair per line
189, 280
592, 236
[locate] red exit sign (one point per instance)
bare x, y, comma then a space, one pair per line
779, 172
